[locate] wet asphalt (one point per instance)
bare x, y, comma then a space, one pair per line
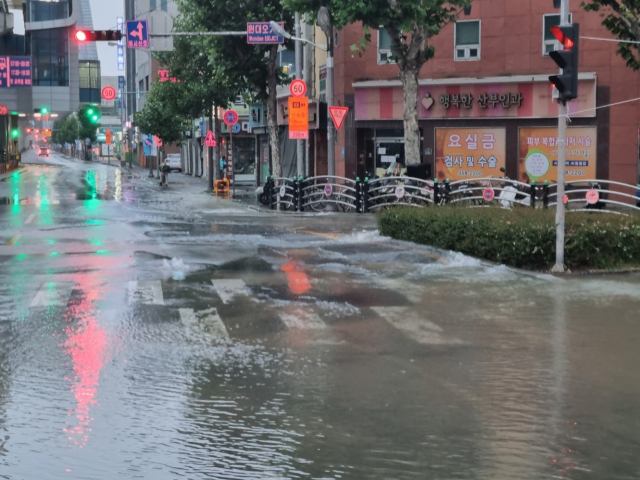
161, 333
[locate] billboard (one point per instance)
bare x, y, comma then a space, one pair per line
538, 158
468, 153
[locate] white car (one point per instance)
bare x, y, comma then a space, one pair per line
173, 160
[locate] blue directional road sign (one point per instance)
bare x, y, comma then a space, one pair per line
262, 33
137, 34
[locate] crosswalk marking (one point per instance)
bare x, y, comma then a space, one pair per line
415, 327
229, 288
207, 319
53, 294
30, 219
302, 319
146, 293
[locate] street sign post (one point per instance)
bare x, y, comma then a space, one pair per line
593, 197
338, 114
137, 34
298, 88
109, 93
108, 137
298, 118
230, 117
210, 139
261, 33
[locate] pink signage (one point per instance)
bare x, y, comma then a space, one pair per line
501, 100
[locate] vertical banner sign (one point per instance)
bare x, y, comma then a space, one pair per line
468, 153
120, 23
539, 154
298, 118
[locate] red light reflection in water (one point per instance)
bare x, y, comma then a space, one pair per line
86, 344
298, 281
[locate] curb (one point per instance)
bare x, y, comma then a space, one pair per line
19, 171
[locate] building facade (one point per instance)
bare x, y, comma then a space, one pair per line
485, 100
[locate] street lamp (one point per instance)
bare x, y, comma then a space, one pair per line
324, 21
283, 33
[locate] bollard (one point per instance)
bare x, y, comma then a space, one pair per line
301, 184
545, 194
436, 192
296, 186
358, 195
447, 190
533, 194
365, 195
271, 191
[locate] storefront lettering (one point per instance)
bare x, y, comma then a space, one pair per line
484, 100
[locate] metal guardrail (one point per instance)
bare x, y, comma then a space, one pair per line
324, 192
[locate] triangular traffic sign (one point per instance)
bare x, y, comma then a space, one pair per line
338, 114
210, 139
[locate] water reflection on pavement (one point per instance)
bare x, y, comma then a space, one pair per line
292, 347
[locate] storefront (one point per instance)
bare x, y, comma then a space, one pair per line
471, 128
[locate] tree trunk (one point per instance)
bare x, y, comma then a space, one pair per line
409, 78
272, 113
216, 149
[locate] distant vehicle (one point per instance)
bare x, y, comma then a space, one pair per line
43, 152
173, 160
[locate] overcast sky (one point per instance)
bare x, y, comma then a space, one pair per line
105, 14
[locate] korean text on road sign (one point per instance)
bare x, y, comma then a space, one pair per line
262, 33
338, 114
298, 118
137, 34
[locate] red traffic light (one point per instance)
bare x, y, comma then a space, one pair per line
559, 33
37, 130
28, 131
81, 36
97, 35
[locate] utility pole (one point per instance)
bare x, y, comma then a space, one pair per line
326, 24
299, 143
559, 267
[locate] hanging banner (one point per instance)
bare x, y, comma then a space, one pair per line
298, 118
468, 153
539, 154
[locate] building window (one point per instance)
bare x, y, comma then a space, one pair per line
549, 42
50, 57
146, 83
384, 47
89, 82
286, 60
467, 37
153, 5
41, 11
141, 86
323, 83
163, 5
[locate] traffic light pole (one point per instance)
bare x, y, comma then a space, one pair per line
559, 267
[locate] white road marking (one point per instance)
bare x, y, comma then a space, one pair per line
53, 294
415, 326
147, 293
30, 219
229, 288
302, 319
209, 320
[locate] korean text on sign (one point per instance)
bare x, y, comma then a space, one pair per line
298, 118
15, 72
262, 33
467, 153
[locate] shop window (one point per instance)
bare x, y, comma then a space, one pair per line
384, 47
467, 38
549, 42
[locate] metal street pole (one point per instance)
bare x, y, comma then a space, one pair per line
562, 156
326, 24
210, 153
299, 143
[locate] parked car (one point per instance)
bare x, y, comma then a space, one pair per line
43, 152
173, 160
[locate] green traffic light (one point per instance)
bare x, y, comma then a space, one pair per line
15, 133
90, 111
44, 110
95, 118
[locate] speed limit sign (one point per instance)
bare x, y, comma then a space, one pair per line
298, 88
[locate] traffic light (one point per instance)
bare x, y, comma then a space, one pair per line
15, 133
567, 60
44, 111
28, 131
82, 36
93, 113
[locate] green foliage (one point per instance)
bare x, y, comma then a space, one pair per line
158, 117
88, 127
523, 238
622, 19
66, 131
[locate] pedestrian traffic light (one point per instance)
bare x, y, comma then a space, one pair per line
15, 133
82, 36
567, 60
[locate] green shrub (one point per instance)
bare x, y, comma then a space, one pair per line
523, 238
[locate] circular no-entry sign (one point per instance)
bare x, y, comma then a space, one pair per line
109, 93
4, 110
400, 192
230, 117
488, 194
328, 190
593, 196
298, 88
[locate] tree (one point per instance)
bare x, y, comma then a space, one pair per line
621, 18
157, 117
410, 24
251, 69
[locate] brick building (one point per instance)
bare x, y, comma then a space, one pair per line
487, 86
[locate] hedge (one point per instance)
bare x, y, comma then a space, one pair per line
523, 238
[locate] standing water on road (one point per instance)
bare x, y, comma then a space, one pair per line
163, 334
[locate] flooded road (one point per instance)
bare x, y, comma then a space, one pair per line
163, 334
